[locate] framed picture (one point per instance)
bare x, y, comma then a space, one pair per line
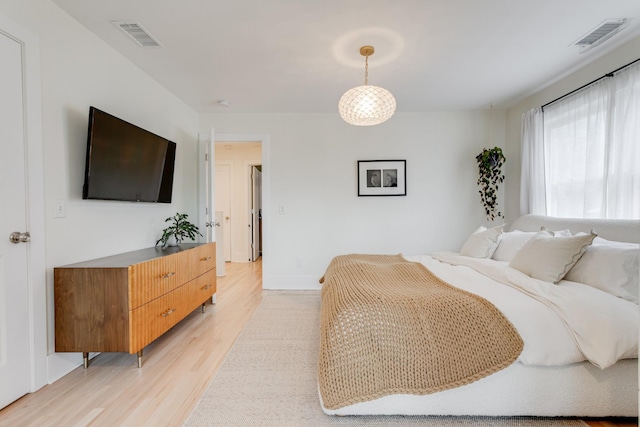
382, 177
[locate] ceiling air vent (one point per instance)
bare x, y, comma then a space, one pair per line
138, 33
602, 32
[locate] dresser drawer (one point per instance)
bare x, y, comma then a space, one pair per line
201, 288
203, 260
153, 319
153, 278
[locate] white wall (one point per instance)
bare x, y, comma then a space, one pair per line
311, 165
623, 55
79, 70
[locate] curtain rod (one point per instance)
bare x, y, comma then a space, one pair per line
610, 74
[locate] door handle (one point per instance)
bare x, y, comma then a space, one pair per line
17, 237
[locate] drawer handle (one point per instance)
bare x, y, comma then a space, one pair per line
168, 312
204, 288
166, 276
205, 259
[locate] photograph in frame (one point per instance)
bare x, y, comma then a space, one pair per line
382, 178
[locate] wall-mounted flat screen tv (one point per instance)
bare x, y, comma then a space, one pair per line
126, 162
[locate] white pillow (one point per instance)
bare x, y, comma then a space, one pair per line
549, 258
611, 267
482, 243
510, 243
556, 233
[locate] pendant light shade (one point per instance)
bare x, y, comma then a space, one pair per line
366, 105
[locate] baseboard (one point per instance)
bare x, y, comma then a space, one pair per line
60, 364
291, 282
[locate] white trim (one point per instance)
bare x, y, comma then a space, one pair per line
204, 150
292, 282
36, 280
248, 169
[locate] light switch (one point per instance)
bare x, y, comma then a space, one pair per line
60, 208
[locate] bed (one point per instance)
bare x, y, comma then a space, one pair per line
579, 337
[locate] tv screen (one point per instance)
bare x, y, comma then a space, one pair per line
125, 162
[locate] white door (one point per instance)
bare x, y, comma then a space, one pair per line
223, 203
256, 212
206, 219
15, 350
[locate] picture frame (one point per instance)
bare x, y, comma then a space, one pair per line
382, 178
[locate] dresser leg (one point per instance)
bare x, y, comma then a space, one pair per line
140, 358
203, 307
85, 360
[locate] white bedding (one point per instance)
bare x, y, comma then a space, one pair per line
559, 324
573, 335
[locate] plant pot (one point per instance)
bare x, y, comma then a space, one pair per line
171, 241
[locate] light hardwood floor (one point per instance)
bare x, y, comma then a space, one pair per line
177, 369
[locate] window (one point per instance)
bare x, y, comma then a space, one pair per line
591, 150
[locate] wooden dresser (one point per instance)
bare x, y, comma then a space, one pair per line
123, 302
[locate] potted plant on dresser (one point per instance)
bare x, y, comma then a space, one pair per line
179, 230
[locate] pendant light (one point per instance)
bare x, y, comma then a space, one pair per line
366, 105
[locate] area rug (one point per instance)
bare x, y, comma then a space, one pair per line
269, 377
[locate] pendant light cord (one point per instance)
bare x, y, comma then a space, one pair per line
366, 70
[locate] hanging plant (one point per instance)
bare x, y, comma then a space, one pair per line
490, 163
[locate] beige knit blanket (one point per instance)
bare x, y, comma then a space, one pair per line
391, 326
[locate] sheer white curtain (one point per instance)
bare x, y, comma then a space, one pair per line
532, 180
591, 151
623, 184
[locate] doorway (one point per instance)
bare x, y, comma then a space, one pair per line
238, 194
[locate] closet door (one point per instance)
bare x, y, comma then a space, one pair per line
15, 372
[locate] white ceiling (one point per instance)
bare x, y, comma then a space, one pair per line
299, 56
